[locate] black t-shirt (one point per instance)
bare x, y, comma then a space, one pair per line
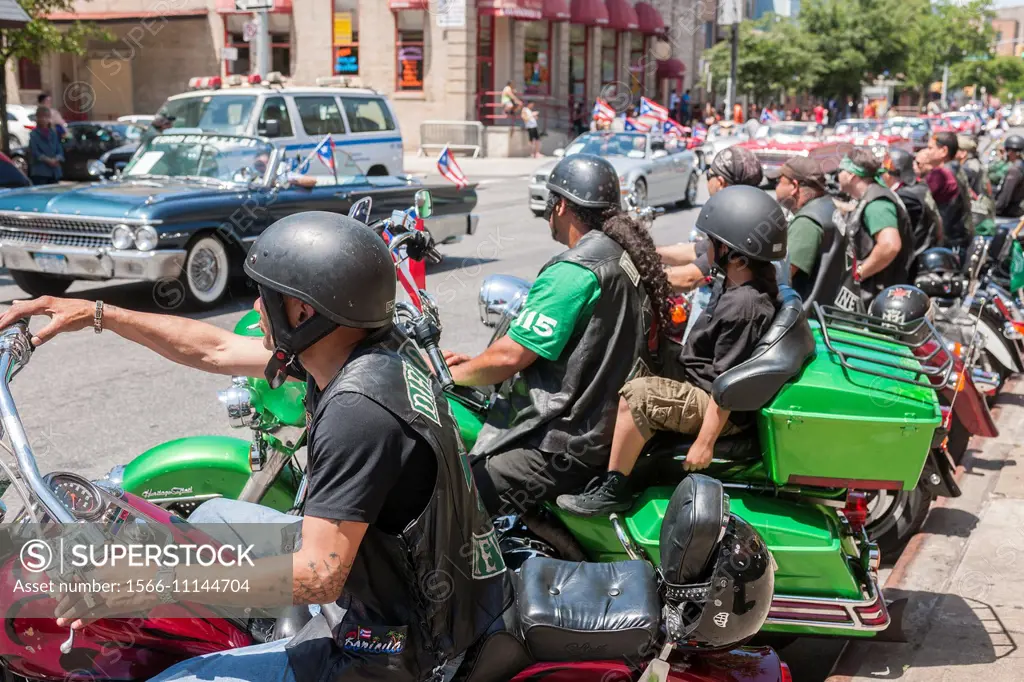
366, 465
739, 318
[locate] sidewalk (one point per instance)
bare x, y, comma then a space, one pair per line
963, 575
476, 169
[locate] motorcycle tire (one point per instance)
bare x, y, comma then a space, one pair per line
959, 438
901, 520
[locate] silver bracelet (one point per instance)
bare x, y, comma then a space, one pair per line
97, 318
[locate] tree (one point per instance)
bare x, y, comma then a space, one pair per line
993, 74
859, 39
774, 56
947, 33
38, 37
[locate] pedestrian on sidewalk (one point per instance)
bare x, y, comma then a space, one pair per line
529, 116
46, 150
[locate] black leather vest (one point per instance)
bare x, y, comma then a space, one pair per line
568, 405
834, 283
898, 272
415, 600
926, 228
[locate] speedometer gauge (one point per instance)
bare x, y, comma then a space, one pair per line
82, 497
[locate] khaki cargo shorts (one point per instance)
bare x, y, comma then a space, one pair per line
659, 404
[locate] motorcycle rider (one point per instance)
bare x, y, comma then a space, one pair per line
880, 227
388, 501
583, 331
898, 174
950, 188
801, 190
1010, 196
982, 204
687, 263
747, 230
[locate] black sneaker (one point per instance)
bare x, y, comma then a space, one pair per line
603, 495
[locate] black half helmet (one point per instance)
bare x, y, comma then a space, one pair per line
938, 259
1014, 143
718, 573
747, 220
900, 304
900, 162
336, 264
586, 180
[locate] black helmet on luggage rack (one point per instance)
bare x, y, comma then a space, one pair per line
901, 304
939, 274
718, 575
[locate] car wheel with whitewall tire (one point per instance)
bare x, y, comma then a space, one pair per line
20, 163
691, 191
640, 194
37, 284
207, 272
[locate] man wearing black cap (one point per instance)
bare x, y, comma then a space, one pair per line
801, 190
161, 123
687, 264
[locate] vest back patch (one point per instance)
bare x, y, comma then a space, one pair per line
421, 395
487, 561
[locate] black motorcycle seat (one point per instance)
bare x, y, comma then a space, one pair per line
691, 529
579, 611
778, 357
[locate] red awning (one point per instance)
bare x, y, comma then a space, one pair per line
228, 7
516, 9
124, 16
650, 19
409, 4
671, 68
557, 10
589, 12
622, 16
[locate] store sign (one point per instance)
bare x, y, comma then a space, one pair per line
517, 9
229, 54
342, 28
451, 13
410, 68
346, 60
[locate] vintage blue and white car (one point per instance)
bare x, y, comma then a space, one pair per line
186, 208
654, 170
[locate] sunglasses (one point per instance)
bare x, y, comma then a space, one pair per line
709, 174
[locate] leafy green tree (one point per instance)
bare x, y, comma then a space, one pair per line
38, 37
775, 56
994, 74
947, 33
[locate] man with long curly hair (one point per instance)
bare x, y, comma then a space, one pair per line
584, 330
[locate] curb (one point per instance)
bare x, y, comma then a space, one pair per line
856, 652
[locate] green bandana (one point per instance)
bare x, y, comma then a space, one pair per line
848, 165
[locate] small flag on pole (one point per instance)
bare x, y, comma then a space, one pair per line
603, 111
325, 152
636, 125
672, 129
653, 109
768, 116
447, 166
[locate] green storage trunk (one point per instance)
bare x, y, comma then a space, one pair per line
835, 424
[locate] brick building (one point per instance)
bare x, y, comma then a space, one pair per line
1009, 41
436, 59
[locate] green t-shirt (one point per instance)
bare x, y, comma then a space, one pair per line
878, 215
560, 303
804, 242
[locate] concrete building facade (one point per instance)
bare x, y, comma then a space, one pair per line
435, 59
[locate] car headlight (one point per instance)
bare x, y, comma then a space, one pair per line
96, 168
145, 238
122, 238
541, 179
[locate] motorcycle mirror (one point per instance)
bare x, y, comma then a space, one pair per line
361, 210
424, 204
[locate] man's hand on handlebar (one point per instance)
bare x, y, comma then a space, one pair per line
66, 315
453, 358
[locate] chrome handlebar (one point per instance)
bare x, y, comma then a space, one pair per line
15, 351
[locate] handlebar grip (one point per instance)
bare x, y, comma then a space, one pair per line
434, 256
437, 361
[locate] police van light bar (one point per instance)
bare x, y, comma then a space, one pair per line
339, 81
204, 83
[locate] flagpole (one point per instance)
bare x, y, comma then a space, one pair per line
334, 159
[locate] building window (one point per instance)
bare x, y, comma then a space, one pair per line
30, 76
609, 57
280, 54
346, 37
637, 63
409, 49
320, 115
578, 37
537, 69
709, 35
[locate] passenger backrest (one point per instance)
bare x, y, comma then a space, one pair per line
778, 357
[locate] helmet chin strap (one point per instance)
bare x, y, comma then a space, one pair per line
289, 342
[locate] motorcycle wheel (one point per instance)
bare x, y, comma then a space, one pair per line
895, 516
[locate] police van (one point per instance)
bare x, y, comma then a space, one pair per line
360, 120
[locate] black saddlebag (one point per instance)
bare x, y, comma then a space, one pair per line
572, 611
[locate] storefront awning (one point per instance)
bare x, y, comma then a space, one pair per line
650, 19
228, 7
12, 15
409, 4
557, 10
516, 9
589, 12
622, 16
671, 68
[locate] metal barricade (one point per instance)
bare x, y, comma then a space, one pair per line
456, 135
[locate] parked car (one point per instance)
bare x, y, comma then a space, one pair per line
141, 120
871, 132
185, 211
654, 169
21, 121
964, 123
775, 144
916, 129
85, 144
721, 136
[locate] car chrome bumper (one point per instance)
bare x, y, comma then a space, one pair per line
86, 263
538, 197
448, 229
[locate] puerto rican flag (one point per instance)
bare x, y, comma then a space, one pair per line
768, 116
325, 152
636, 126
653, 109
365, 634
603, 111
700, 132
447, 166
672, 129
